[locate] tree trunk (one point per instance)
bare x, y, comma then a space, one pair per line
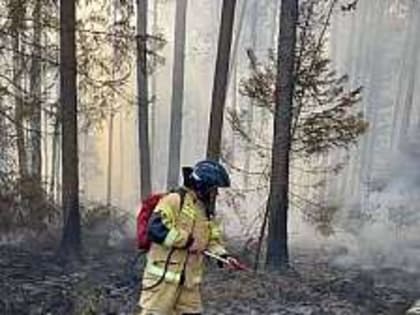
251, 102
142, 91
401, 82
277, 250
407, 104
177, 94
3, 154
372, 67
71, 238
153, 105
237, 42
115, 7
407, 65
355, 52
232, 82
17, 11
35, 92
109, 162
234, 85
55, 159
220, 80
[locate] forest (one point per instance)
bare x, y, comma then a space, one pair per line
311, 107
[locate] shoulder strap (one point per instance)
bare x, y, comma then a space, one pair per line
182, 193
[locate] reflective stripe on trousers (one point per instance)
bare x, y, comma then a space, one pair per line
170, 276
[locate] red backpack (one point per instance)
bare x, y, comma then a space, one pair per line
144, 213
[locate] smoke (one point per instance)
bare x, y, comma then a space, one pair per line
381, 229
377, 229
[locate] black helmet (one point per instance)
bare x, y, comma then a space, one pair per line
206, 175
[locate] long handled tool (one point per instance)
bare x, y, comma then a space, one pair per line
237, 265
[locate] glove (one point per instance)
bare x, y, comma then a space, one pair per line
233, 264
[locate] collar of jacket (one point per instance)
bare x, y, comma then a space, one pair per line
193, 195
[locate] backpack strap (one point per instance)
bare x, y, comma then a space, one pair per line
182, 192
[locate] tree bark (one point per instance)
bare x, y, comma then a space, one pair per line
142, 91
110, 155
277, 249
115, 8
3, 154
153, 107
17, 11
174, 159
55, 157
35, 92
237, 42
71, 238
407, 104
251, 103
220, 80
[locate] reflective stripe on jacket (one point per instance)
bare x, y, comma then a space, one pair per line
171, 229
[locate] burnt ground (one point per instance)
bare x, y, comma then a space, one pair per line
33, 281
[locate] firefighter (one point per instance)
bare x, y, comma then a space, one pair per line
174, 269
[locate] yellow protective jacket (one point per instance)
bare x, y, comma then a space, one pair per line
176, 226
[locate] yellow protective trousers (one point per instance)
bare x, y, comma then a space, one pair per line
170, 298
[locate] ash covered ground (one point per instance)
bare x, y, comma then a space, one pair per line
33, 281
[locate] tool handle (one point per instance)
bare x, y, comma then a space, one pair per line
237, 264
217, 257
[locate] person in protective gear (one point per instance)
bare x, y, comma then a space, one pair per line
174, 268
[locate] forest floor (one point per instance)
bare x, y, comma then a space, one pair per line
33, 281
